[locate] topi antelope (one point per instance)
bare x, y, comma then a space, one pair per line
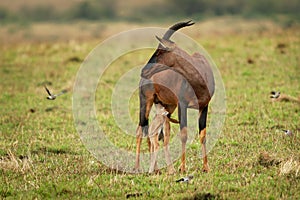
174, 78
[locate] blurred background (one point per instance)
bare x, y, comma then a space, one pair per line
254, 43
56, 19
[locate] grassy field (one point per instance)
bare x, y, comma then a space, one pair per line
42, 156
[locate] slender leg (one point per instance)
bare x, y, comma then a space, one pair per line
202, 133
183, 133
171, 169
149, 144
151, 168
139, 135
145, 107
153, 153
156, 148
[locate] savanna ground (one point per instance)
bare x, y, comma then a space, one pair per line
42, 156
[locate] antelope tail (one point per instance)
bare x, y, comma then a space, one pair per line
175, 121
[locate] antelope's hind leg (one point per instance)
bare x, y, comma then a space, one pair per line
139, 135
202, 134
142, 129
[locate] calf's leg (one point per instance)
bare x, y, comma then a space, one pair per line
171, 169
153, 152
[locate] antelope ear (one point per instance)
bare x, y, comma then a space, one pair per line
166, 44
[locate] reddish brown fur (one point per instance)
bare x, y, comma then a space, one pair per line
176, 79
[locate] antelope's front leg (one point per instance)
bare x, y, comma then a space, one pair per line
202, 134
204, 155
182, 112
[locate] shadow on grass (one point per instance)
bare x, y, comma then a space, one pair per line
203, 196
53, 150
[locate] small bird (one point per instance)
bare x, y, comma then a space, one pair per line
53, 96
274, 94
277, 96
185, 179
287, 132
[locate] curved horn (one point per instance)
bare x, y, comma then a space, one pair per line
176, 27
149, 69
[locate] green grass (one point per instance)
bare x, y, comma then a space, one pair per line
42, 156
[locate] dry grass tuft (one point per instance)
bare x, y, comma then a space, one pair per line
291, 167
13, 163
